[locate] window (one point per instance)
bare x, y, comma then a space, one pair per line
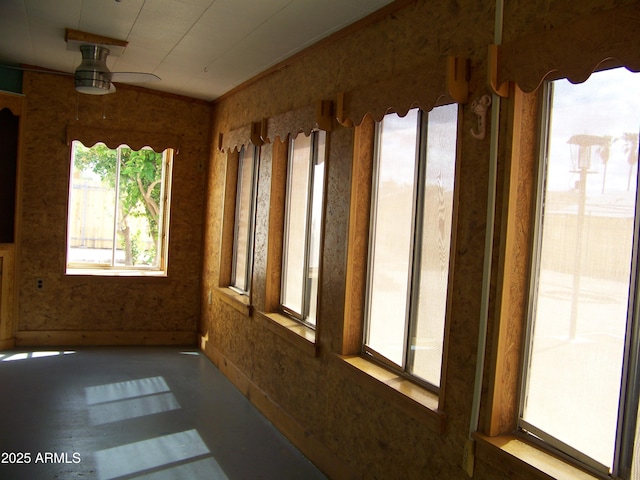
579, 392
302, 226
410, 240
118, 209
244, 219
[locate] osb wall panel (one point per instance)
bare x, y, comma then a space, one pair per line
421, 31
261, 243
338, 413
103, 303
573, 49
527, 17
331, 291
371, 434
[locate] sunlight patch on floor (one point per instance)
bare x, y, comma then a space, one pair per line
38, 354
148, 456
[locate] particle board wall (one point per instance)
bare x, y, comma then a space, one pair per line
367, 434
354, 429
98, 310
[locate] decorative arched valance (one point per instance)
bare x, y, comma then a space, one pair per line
573, 51
113, 138
235, 139
438, 81
435, 81
303, 119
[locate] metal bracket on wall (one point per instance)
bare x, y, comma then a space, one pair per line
480, 106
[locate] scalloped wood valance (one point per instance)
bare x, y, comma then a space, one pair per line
113, 138
305, 120
437, 81
434, 82
12, 101
573, 51
235, 139
302, 120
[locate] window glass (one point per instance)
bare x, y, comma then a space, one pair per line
244, 219
303, 220
579, 316
410, 240
427, 337
118, 215
395, 175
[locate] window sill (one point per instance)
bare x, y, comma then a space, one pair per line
107, 272
294, 332
241, 303
509, 453
413, 399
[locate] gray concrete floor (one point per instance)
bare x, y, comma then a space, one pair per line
133, 413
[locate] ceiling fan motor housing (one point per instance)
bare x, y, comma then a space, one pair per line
92, 75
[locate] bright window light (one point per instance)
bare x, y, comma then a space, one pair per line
410, 240
118, 210
303, 226
582, 314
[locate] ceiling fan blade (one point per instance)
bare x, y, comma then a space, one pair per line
133, 77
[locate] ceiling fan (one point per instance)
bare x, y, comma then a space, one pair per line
92, 76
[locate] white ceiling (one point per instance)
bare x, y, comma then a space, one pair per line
199, 48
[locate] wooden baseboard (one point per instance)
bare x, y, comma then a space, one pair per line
310, 446
43, 338
7, 344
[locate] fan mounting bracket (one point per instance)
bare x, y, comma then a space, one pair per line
75, 38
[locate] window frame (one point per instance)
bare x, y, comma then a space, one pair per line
415, 261
629, 389
306, 301
251, 215
102, 269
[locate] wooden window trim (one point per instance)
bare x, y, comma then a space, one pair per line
513, 455
228, 218
238, 301
241, 303
514, 261
276, 225
497, 441
411, 398
285, 327
358, 237
499, 429
416, 400
294, 332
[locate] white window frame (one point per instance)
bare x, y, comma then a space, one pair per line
411, 305
630, 384
161, 265
241, 277
318, 156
